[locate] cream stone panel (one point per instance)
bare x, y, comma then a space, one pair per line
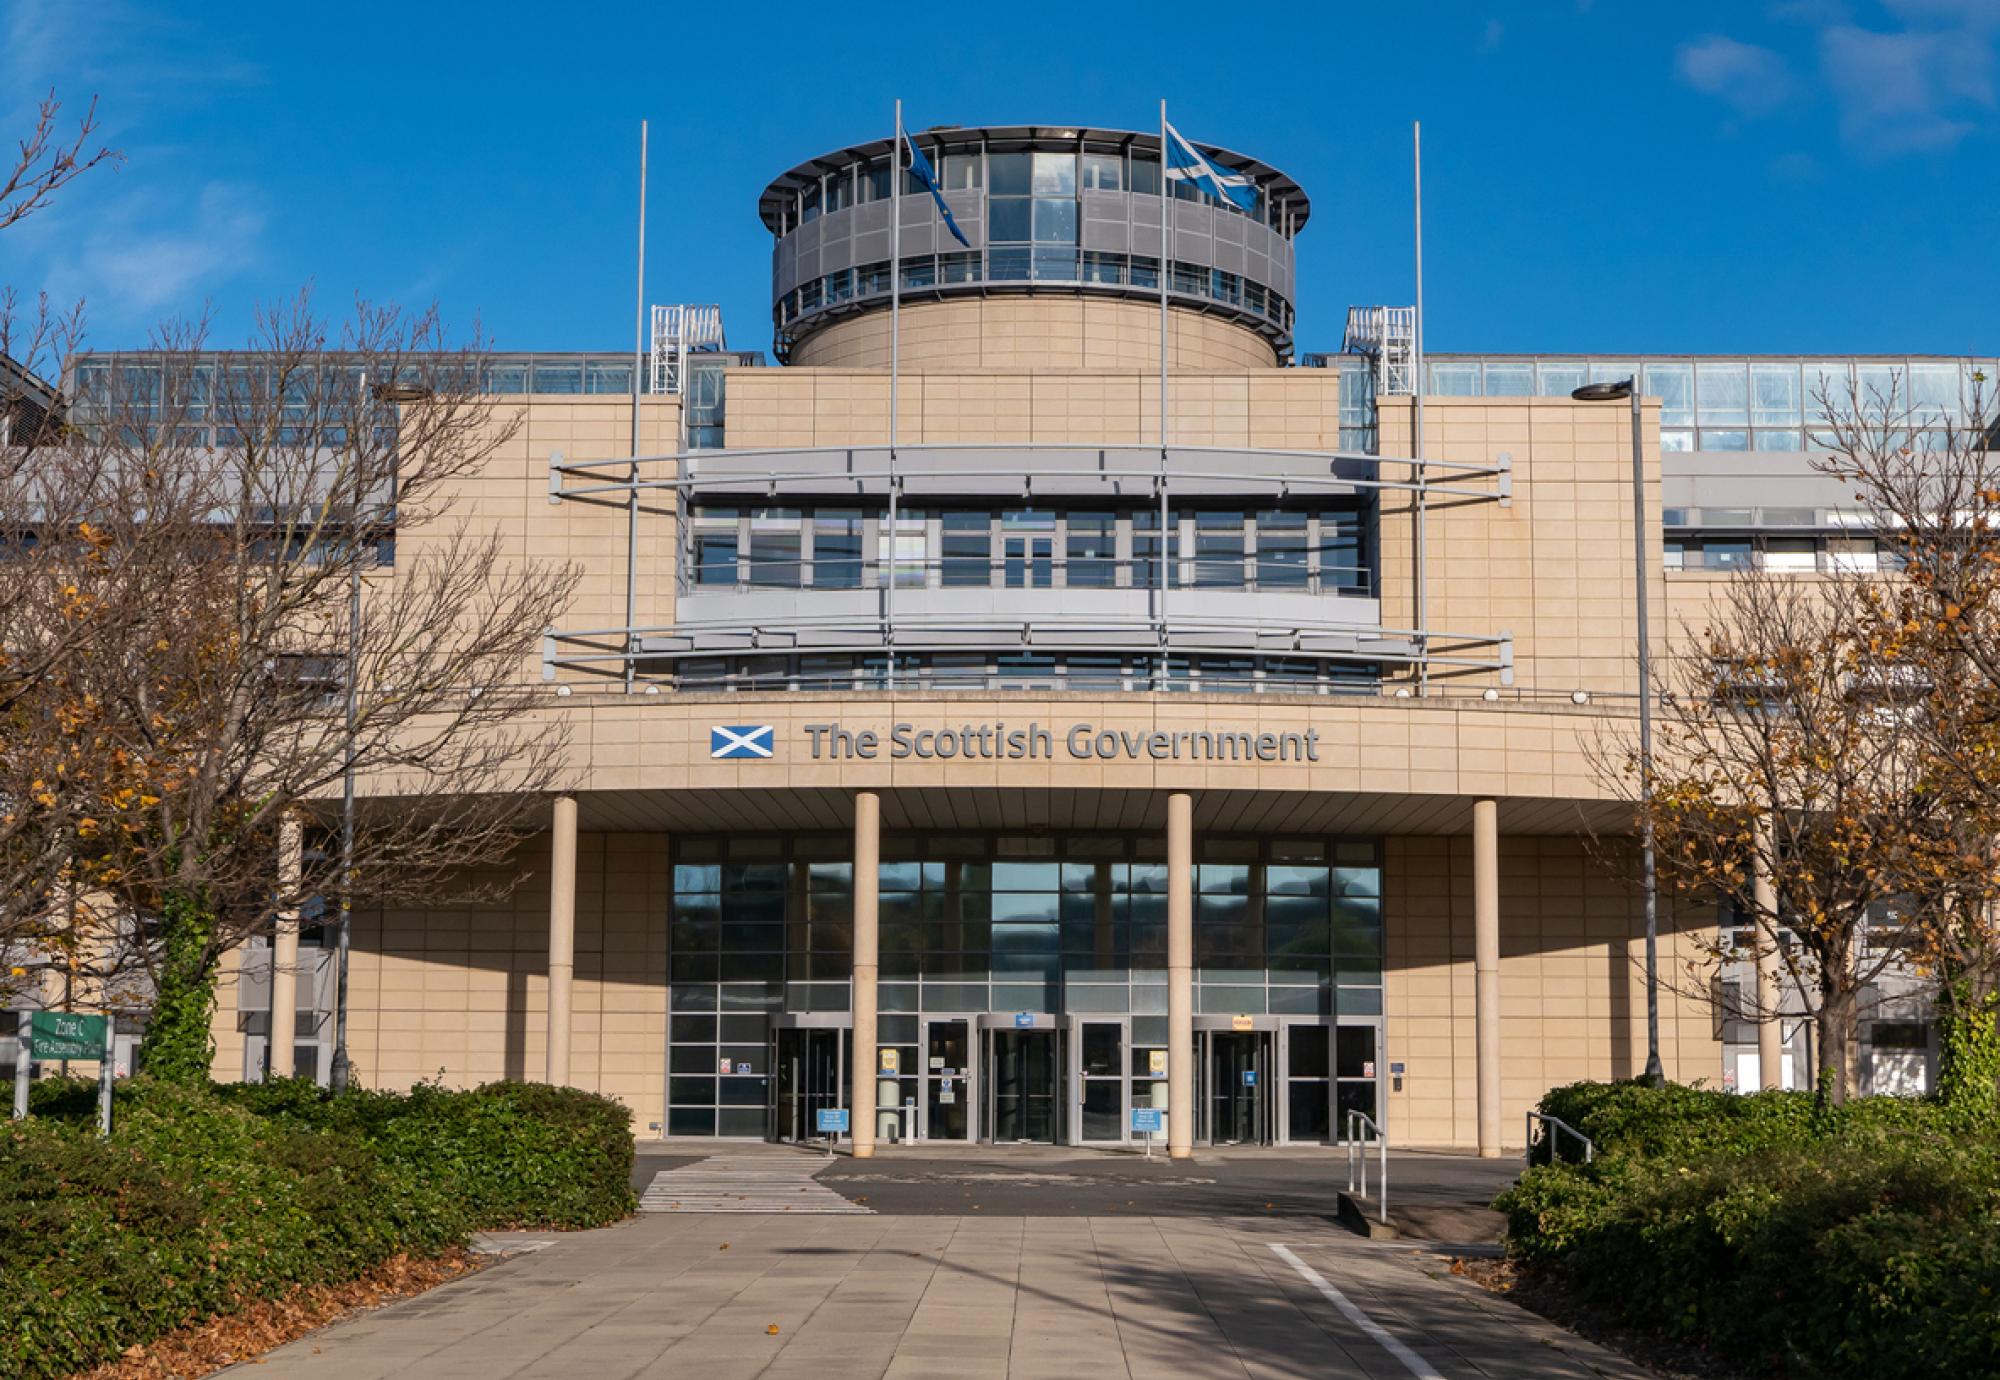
1555, 566
1283, 409
507, 499
1033, 330
1572, 980
460, 992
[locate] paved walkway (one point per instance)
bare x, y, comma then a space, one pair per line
752, 1182
773, 1296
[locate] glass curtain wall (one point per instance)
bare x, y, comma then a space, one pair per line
762, 928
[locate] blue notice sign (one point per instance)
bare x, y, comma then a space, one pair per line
832, 1120
1148, 1119
1024, 1020
1249, 1078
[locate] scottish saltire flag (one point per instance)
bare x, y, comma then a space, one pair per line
726, 742
921, 166
1186, 163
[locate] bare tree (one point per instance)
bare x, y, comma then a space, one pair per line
1792, 743
226, 684
45, 163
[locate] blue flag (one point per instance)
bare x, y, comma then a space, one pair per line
1185, 163
921, 166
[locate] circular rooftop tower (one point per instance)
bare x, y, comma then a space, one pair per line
1061, 261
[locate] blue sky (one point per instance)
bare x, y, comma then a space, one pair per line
1609, 176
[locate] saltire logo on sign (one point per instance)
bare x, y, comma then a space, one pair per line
738, 741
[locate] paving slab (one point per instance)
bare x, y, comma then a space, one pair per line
962, 1297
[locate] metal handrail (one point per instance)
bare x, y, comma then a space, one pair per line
1556, 1126
1357, 1154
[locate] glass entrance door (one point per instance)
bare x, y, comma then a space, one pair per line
1024, 1075
810, 1074
948, 1096
1357, 1066
1100, 1082
1239, 1071
1307, 1054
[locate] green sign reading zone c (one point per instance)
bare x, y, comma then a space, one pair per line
65, 1035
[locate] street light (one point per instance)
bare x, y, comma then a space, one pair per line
394, 394
1611, 392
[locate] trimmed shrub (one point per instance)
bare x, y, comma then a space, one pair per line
1863, 1240
205, 1199
517, 1154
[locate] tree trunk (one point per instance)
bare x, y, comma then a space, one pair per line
180, 1041
1835, 1022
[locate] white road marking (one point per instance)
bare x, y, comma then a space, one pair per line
746, 1183
1413, 1363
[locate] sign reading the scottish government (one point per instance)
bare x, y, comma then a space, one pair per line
1082, 742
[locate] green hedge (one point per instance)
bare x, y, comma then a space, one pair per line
1863, 1240
205, 1199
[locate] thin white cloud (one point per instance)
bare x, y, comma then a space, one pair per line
145, 258
1921, 79
1491, 34
1909, 91
1749, 79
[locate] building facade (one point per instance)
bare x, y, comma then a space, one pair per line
1069, 750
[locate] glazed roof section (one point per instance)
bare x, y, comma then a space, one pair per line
784, 187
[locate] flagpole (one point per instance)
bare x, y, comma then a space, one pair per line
1417, 363
895, 377
1166, 271
638, 372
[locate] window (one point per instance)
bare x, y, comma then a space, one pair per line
1775, 398
1218, 550
1282, 551
1055, 220
715, 548
1104, 172
1055, 174
839, 190
1510, 380
1010, 174
959, 266
1791, 554
1727, 553
1713, 439
774, 548
1146, 554
836, 549
1722, 394
1009, 219
1103, 268
1673, 385
1145, 170
968, 550
1559, 380
875, 180
809, 203
1455, 380
1091, 558
960, 171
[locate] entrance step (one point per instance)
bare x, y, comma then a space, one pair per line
759, 1183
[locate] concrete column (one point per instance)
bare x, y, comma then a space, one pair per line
285, 951
1486, 969
1180, 976
867, 966
1771, 1032
562, 935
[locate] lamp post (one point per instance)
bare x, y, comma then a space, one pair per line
341, 1071
1611, 392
